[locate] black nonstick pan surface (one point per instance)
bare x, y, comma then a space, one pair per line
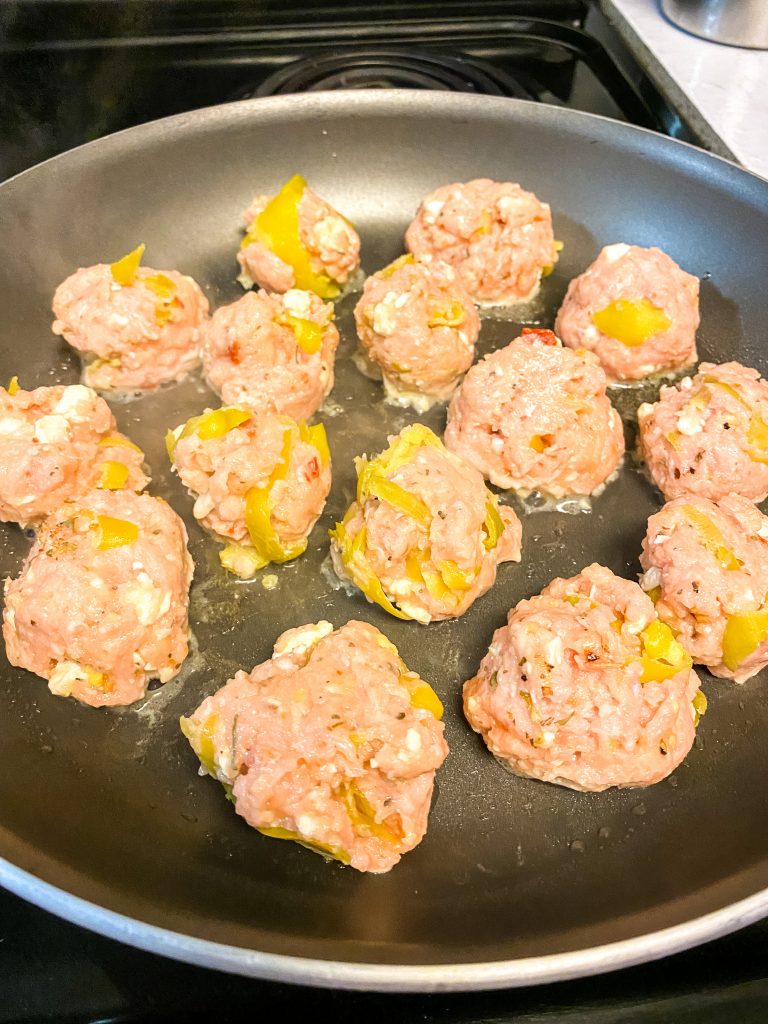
103, 818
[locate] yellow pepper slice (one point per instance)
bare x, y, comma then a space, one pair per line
537, 443
13, 385
396, 455
757, 436
699, 705
395, 265
117, 441
114, 476
711, 538
631, 323
445, 314
455, 577
494, 525
258, 512
334, 852
363, 815
124, 270
354, 560
557, 247
662, 655
277, 227
162, 285
425, 698
208, 426
396, 496
115, 533
316, 436
201, 740
744, 632
308, 334
654, 593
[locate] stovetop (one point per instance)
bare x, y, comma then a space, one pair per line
74, 70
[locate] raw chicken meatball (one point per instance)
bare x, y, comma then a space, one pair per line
586, 688
100, 606
535, 416
425, 535
418, 323
333, 743
636, 309
496, 235
260, 481
706, 569
56, 443
708, 435
137, 328
272, 353
295, 239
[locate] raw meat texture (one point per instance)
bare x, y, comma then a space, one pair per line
100, 605
333, 743
263, 458
135, 336
708, 435
272, 353
418, 323
657, 336
425, 535
534, 416
560, 695
56, 443
706, 569
497, 236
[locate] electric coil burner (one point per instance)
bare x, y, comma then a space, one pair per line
74, 70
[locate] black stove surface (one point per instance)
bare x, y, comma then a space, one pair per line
73, 71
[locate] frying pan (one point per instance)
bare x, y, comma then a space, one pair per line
103, 818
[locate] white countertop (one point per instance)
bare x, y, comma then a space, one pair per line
726, 85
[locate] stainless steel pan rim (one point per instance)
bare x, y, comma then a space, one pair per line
620, 140
334, 974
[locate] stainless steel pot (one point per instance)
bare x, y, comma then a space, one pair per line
735, 22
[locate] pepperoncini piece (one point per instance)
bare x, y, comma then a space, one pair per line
699, 706
557, 247
654, 593
308, 334
757, 436
362, 814
208, 426
445, 314
334, 852
744, 633
537, 443
241, 560
114, 476
453, 576
317, 437
425, 698
162, 285
355, 562
201, 740
115, 533
396, 455
117, 441
13, 385
662, 655
494, 525
395, 265
258, 512
400, 499
277, 227
437, 588
711, 538
124, 270
631, 323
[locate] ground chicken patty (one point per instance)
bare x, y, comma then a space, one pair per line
137, 328
708, 435
260, 481
497, 236
295, 239
535, 416
425, 535
100, 605
636, 309
272, 353
332, 743
586, 688
56, 443
706, 569
418, 323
